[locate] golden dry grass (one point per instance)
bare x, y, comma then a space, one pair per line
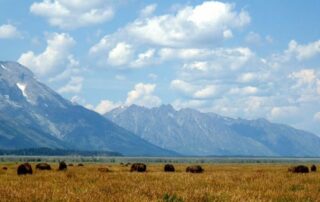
222, 182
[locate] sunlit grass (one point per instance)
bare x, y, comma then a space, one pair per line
221, 182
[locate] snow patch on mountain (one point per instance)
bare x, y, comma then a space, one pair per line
23, 88
4, 67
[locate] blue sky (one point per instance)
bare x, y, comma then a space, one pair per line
248, 59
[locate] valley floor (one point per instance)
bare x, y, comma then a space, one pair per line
219, 182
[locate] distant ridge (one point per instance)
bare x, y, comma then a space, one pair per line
192, 133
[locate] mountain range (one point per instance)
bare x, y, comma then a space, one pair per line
190, 132
32, 115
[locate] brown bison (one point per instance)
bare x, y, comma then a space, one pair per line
24, 169
299, 169
313, 168
169, 168
70, 164
80, 164
138, 167
103, 170
43, 166
62, 165
194, 169
4, 168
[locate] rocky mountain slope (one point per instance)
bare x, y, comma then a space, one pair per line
33, 115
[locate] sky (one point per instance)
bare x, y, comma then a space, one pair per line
247, 59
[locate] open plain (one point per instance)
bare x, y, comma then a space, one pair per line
218, 182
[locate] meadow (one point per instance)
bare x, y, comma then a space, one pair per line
219, 182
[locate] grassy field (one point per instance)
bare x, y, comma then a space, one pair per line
219, 182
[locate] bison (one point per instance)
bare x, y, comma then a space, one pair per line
194, 169
169, 168
4, 168
43, 166
70, 164
24, 169
62, 166
80, 164
138, 167
103, 170
299, 169
313, 168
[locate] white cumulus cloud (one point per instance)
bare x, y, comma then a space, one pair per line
158, 38
8, 31
105, 106
54, 59
206, 92
304, 76
70, 14
148, 10
73, 86
142, 94
248, 90
195, 91
304, 51
144, 58
288, 113
120, 54
207, 21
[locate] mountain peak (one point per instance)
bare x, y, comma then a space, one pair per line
136, 106
19, 85
166, 107
15, 69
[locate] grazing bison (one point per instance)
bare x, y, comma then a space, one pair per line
80, 164
299, 169
169, 168
4, 168
43, 166
24, 169
103, 170
62, 165
138, 167
194, 169
313, 168
70, 164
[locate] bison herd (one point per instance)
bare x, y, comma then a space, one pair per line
26, 168
140, 167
